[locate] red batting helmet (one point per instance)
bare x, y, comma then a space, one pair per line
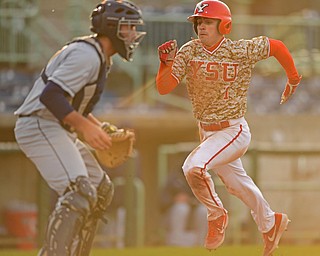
213, 9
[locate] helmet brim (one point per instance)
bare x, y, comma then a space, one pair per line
193, 17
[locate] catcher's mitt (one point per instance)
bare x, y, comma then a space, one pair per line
121, 149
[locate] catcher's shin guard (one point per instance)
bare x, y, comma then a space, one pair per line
86, 236
105, 192
68, 217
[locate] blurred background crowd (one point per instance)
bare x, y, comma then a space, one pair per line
32, 30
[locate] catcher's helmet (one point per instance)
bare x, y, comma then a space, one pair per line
213, 9
107, 18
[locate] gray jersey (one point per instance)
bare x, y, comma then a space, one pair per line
75, 68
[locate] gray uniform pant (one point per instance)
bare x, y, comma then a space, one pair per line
58, 155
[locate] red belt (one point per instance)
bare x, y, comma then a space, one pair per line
215, 126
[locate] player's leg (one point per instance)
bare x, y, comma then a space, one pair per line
238, 183
217, 148
83, 236
52, 150
105, 192
69, 215
270, 224
87, 233
203, 188
60, 163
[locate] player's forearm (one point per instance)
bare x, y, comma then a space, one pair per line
77, 121
164, 80
283, 56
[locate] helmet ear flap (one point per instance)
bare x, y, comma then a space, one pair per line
225, 27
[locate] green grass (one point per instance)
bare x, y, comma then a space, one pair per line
170, 251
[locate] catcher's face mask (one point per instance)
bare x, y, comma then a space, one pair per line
131, 33
121, 21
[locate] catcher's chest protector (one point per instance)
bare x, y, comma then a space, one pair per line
102, 73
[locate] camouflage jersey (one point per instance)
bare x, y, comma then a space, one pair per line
218, 81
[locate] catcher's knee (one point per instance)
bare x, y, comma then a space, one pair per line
82, 188
69, 215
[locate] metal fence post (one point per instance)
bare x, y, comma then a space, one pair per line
44, 199
129, 205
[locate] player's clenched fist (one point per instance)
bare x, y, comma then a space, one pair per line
167, 51
289, 90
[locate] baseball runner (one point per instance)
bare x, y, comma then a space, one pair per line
218, 72
58, 109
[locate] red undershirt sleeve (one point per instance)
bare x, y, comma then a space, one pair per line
283, 56
165, 81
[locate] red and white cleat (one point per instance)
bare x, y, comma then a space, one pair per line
272, 237
216, 232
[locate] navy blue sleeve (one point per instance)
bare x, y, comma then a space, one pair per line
54, 98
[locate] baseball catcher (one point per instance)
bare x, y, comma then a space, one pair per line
57, 130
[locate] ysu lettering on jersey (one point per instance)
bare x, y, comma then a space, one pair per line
215, 71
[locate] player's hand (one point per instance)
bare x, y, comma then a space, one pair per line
289, 90
89, 130
96, 137
167, 51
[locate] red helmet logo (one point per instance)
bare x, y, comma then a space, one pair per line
214, 9
200, 6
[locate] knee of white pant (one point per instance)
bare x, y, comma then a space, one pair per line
188, 165
191, 171
193, 176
